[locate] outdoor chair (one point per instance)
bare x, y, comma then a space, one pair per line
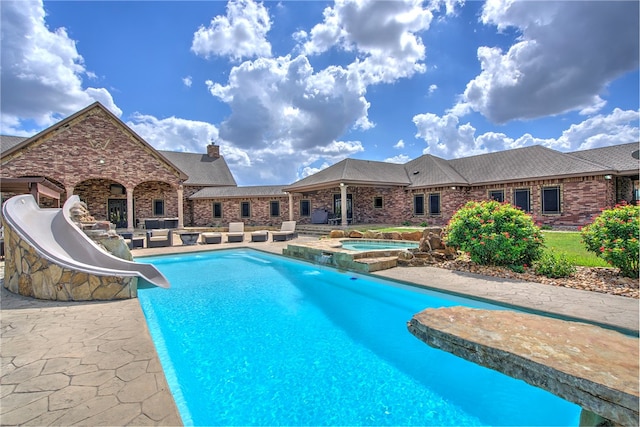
287, 232
209, 238
159, 238
236, 232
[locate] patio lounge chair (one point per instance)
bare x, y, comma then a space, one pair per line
260, 236
209, 238
159, 238
287, 232
236, 232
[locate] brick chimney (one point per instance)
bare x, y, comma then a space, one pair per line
213, 151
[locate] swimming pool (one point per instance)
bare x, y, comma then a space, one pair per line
372, 245
249, 338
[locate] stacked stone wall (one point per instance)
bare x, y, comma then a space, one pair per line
29, 274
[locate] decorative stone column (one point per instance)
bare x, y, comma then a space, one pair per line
130, 224
343, 204
290, 206
180, 207
69, 189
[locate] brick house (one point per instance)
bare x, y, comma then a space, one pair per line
123, 179
94, 155
558, 189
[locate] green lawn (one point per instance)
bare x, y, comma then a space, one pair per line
570, 243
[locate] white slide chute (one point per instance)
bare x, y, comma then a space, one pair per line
58, 239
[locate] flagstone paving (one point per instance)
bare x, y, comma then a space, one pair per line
94, 363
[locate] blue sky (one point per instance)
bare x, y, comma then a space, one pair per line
288, 88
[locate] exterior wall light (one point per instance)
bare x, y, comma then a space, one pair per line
607, 177
101, 161
453, 188
342, 184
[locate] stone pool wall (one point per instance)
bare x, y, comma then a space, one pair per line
29, 274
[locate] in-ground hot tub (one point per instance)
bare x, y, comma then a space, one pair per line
365, 245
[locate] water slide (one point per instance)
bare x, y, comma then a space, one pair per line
59, 240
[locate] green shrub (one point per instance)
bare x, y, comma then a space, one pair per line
554, 266
615, 237
495, 233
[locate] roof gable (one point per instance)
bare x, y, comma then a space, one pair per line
432, 171
202, 169
70, 121
355, 171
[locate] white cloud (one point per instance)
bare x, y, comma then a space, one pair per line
382, 33
41, 70
240, 34
187, 81
174, 134
432, 89
566, 55
446, 137
400, 158
282, 102
399, 145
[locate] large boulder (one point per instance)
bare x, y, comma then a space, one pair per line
336, 234
414, 236
355, 234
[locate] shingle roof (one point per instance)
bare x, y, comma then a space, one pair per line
248, 191
616, 157
201, 169
354, 171
432, 171
7, 142
521, 164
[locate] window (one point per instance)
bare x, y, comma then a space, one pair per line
377, 202
305, 208
158, 207
497, 195
551, 200
521, 199
418, 204
217, 210
434, 204
274, 208
245, 209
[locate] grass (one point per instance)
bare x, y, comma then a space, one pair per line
571, 244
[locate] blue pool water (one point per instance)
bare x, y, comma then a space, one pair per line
372, 245
249, 338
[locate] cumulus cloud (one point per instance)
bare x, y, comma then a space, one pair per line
400, 158
446, 137
187, 81
282, 102
42, 70
173, 133
566, 55
240, 34
432, 89
384, 35
399, 145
